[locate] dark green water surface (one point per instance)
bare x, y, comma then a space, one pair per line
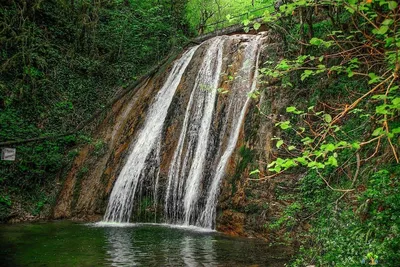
73, 244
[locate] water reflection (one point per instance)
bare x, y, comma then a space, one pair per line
120, 248
209, 251
70, 244
187, 252
195, 252
159, 246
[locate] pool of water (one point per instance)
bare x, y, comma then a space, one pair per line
75, 244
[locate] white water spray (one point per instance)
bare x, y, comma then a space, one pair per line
120, 205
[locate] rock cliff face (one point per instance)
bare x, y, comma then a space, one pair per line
244, 206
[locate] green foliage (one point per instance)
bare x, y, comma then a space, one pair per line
254, 208
288, 219
247, 156
209, 15
99, 147
5, 200
43, 200
356, 234
316, 150
63, 60
5, 207
345, 137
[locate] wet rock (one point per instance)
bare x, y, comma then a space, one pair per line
245, 207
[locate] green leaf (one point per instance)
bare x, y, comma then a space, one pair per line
350, 74
283, 125
283, 65
290, 148
381, 97
315, 165
307, 140
254, 172
378, 131
288, 84
289, 163
342, 144
393, 88
327, 118
316, 41
387, 22
382, 30
392, 5
332, 161
319, 42
389, 41
279, 143
349, 9
246, 22
306, 74
271, 164
356, 110
328, 147
290, 109
396, 101
355, 145
335, 128
256, 26
301, 160
383, 109
396, 130
276, 169
373, 78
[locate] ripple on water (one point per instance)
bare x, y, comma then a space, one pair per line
192, 228
130, 244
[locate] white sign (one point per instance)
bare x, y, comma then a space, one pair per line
8, 154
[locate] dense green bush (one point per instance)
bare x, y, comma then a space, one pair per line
60, 62
345, 134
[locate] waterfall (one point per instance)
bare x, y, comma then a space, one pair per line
122, 196
252, 54
188, 191
186, 169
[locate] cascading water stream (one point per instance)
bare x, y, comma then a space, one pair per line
181, 202
186, 169
207, 218
121, 199
202, 152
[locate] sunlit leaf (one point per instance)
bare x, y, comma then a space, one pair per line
256, 26
279, 143
327, 118
392, 5
254, 172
